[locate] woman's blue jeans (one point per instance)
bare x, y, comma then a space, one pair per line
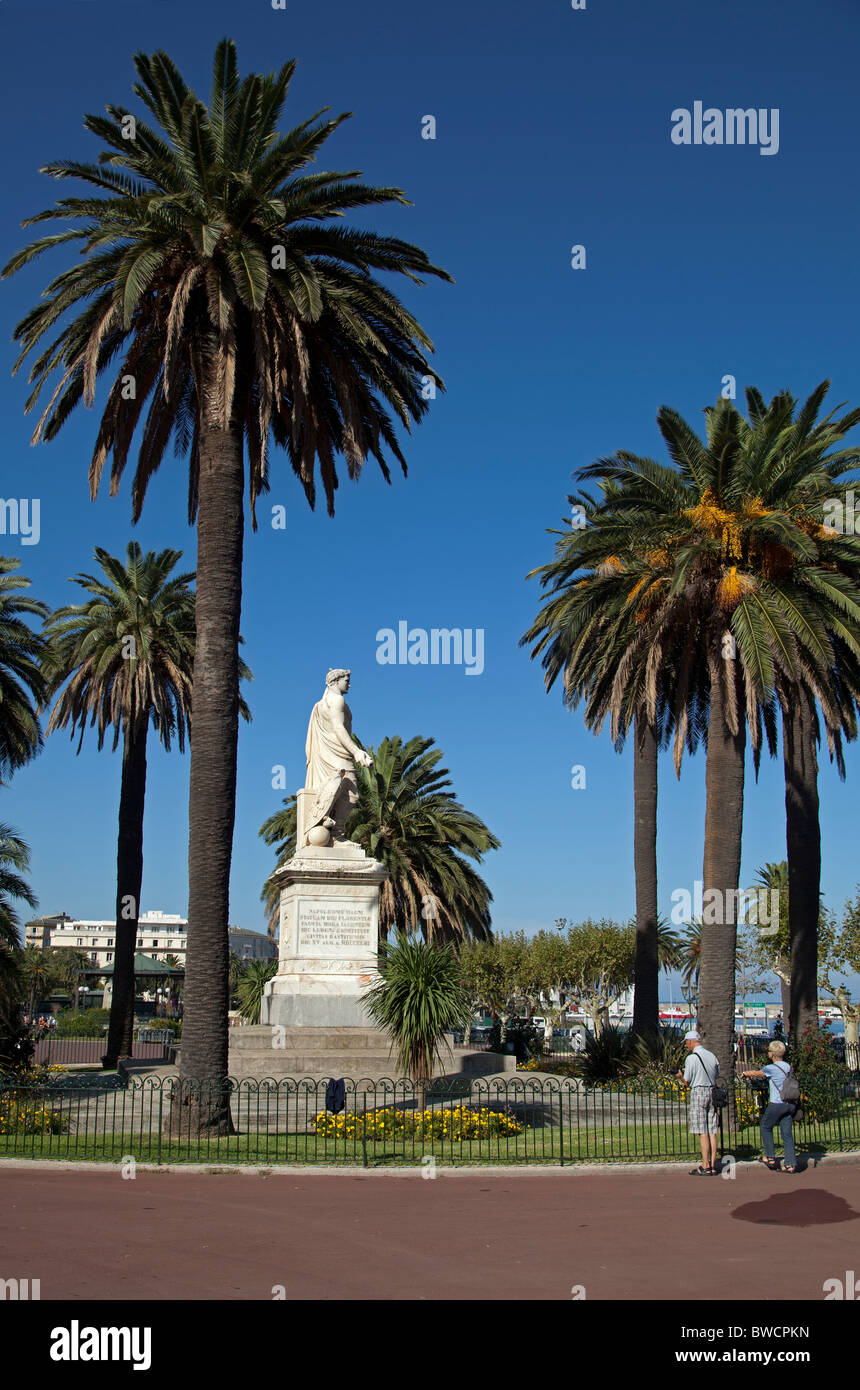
783, 1115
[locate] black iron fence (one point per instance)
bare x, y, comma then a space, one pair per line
511, 1119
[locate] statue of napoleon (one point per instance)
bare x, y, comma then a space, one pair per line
331, 790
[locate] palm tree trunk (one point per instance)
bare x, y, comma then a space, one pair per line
803, 845
646, 1005
129, 877
785, 1002
212, 799
724, 806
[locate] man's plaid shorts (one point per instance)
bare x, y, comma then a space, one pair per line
704, 1117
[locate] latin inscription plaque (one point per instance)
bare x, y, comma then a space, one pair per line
335, 928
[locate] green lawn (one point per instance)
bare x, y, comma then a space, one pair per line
627, 1143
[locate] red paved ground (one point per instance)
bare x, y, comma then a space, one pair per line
230, 1236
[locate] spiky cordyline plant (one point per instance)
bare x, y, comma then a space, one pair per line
419, 996
222, 295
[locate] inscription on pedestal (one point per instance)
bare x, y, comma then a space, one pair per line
334, 928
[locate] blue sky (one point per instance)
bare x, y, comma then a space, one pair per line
553, 129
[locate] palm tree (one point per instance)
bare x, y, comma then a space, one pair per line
800, 469
587, 631
737, 586
773, 878
408, 819
21, 681
692, 962
670, 947
252, 981
123, 661
36, 975
14, 862
245, 309
175, 964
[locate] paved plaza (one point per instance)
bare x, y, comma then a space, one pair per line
523, 1234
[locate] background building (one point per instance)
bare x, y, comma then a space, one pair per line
159, 935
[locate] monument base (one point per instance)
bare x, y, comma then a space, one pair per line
363, 1054
304, 1010
329, 938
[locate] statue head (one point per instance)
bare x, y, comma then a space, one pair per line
337, 680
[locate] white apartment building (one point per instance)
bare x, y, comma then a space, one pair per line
159, 935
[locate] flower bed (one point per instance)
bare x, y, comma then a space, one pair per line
456, 1124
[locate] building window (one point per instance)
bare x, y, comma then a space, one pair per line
110, 955
110, 941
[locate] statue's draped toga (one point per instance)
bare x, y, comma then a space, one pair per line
324, 751
330, 756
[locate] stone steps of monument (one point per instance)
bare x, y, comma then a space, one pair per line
303, 1066
308, 1040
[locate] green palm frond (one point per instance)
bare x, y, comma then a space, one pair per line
209, 242
22, 682
408, 818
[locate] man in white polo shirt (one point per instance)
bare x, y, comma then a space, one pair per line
700, 1072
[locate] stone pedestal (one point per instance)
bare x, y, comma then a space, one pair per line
329, 938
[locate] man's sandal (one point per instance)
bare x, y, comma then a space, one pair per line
770, 1163
701, 1172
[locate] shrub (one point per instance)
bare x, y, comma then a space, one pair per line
419, 995
556, 1066
819, 1076
171, 1025
747, 1109
604, 1058
90, 1023
17, 1046
22, 1113
658, 1054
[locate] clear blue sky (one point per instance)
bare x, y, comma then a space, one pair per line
553, 128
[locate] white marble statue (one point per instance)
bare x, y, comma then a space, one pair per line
331, 789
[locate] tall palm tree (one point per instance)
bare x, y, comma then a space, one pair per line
738, 584
800, 469
242, 308
408, 819
22, 684
120, 662
36, 975
587, 631
776, 953
692, 961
